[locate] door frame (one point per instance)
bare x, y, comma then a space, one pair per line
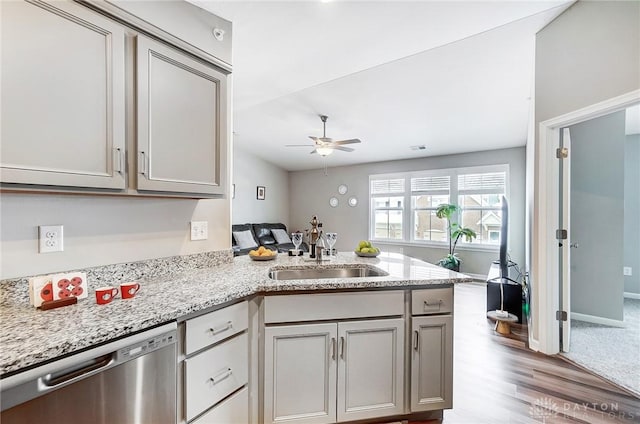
546, 216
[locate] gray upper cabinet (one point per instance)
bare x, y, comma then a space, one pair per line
182, 122
62, 96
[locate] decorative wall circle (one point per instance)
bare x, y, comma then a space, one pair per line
353, 202
342, 189
333, 202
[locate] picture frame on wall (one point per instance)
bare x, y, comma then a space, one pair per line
260, 193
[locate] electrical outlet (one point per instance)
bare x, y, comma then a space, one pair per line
50, 238
199, 230
627, 271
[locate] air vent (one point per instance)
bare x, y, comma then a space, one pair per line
420, 147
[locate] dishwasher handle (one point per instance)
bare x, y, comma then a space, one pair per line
76, 373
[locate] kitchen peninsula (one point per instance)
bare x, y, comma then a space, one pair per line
385, 309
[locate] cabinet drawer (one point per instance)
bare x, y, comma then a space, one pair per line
234, 410
215, 326
334, 306
432, 301
214, 374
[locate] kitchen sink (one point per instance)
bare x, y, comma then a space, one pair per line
318, 273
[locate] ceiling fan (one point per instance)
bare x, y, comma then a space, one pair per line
324, 145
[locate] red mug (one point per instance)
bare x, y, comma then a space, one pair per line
128, 290
105, 295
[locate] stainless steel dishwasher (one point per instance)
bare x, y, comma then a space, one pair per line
128, 381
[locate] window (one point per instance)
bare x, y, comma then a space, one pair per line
403, 206
387, 204
427, 193
479, 196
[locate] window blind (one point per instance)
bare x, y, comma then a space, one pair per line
387, 186
490, 182
439, 183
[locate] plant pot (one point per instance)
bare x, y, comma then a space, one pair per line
452, 267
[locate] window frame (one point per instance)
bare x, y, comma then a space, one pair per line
408, 214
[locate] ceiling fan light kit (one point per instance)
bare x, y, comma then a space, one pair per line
324, 146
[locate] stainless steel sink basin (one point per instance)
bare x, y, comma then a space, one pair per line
317, 273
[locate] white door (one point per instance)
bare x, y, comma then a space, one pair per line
431, 363
565, 247
370, 369
62, 91
300, 374
182, 115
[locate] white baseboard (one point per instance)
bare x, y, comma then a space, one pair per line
533, 344
629, 295
597, 320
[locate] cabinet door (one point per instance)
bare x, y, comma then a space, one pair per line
370, 369
300, 374
432, 363
182, 122
62, 91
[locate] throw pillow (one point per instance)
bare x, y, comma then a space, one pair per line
245, 239
281, 236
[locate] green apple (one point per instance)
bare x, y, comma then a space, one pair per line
363, 243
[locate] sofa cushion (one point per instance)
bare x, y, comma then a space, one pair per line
263, 232
280, 235
245, 239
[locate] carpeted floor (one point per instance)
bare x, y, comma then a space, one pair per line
611, 352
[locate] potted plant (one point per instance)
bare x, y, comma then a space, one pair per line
448, 211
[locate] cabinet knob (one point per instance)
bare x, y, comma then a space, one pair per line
218, 34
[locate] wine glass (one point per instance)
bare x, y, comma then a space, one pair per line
331, 240
296, 238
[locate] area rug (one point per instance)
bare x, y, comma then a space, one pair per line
612, 352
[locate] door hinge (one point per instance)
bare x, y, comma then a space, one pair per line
562, 153
561, 315
561, 234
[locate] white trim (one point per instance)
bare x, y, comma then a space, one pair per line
533, 344
597, 320
629, 295
545, 269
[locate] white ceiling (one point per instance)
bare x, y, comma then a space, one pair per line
454, 76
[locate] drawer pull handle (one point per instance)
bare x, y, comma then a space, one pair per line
220, 329
431, 306
342, 343
223, 375
416, 340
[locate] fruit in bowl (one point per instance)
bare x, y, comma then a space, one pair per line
365, 248
262, 254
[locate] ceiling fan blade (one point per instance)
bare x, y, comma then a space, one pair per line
297, 145
350, 141
326, 139
344, 149
313, 138
314, 151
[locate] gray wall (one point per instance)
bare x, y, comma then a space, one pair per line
249, 172
101, 230
597, 216
311, 191
632, 212
588, 54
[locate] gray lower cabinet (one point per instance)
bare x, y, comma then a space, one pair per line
300, 373
432, 363
370, 369
182, 122
62, 96
334, 372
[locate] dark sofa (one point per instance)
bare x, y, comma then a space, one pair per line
263, 237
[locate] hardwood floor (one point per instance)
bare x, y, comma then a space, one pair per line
498, 380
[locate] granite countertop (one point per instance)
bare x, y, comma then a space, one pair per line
30, 336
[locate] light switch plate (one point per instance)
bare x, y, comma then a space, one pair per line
199, 230
50, 238
627, 271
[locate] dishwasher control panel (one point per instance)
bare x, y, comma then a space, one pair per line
147, 346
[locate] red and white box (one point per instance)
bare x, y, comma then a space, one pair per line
57, 286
